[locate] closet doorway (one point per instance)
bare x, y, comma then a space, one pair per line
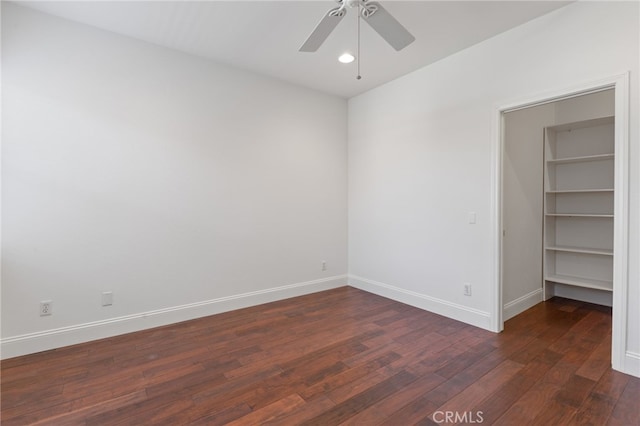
557, 206
561, 204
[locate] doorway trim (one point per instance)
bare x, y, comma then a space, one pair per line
620, 84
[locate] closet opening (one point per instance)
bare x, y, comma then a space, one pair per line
561, 205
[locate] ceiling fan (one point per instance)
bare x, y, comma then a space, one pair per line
370, 11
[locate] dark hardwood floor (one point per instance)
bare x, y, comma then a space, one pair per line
342, 356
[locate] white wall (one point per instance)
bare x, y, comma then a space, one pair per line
183, 186
522, 207
420, 157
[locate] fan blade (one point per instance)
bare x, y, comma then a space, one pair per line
388, 27
323, 29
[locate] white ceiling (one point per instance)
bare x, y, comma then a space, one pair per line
264, 36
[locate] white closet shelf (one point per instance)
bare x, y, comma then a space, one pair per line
582, 159
579, 191
585, 250
578, 215
581, 282
578, 205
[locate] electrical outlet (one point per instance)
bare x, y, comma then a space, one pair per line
46, 308
324, 265
467, 289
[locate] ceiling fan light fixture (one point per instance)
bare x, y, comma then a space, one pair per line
346, 58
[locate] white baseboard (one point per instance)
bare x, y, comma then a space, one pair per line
521, 304
455, 311
65, 336
632, 363
583, 294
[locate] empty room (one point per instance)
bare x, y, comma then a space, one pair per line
363, 212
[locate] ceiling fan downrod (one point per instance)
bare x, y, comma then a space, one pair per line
358, 76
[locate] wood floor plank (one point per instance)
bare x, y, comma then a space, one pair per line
379, 412
626, 410
487, 384
555, 413
496, 403
411, 413
467, 377
350, 389
430, 364
67, 413
350, 407
188, 383
338, 356
462, 361
612, 384
301, 413
532, 403
598, 362
148, 411
575, 391
602, 399
271, 412
350, 376
216, 417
